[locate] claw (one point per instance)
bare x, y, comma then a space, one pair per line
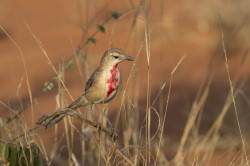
98, 126
113, 134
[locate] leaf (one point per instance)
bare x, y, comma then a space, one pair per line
25, 157
100, 28
1, 149
34, 148
78, 51
48, 86
92, 40
4, 151
37, 157
13, 155
116, 15
7, 152
69, 65
16, 155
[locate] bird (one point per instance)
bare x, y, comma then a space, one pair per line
101, 87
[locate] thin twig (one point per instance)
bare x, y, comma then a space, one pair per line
26, 133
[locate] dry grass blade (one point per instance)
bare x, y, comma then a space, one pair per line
25, 70
40, 44
232, 93
166, 108
28, 132
196, 108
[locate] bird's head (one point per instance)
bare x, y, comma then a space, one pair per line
114, 56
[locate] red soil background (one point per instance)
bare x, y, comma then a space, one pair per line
176, 28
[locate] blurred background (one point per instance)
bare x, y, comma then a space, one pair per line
48, 33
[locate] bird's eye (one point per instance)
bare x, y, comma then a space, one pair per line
115, 56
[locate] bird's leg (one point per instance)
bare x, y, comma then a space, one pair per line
106, 117
93, 118
113, 134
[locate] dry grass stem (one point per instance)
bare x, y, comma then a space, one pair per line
232, 94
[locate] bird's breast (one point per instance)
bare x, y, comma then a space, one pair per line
113, 81
105, 85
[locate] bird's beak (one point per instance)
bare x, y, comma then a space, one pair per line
129, 58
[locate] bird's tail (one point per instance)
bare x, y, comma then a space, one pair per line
51, 119
80, 102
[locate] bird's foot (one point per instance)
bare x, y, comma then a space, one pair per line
98, 126
113, 134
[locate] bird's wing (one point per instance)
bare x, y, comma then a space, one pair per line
91, 80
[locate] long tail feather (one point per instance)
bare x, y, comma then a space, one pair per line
51, 119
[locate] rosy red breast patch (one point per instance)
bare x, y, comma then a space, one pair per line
112, 81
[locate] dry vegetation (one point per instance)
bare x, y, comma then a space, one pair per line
173, 108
